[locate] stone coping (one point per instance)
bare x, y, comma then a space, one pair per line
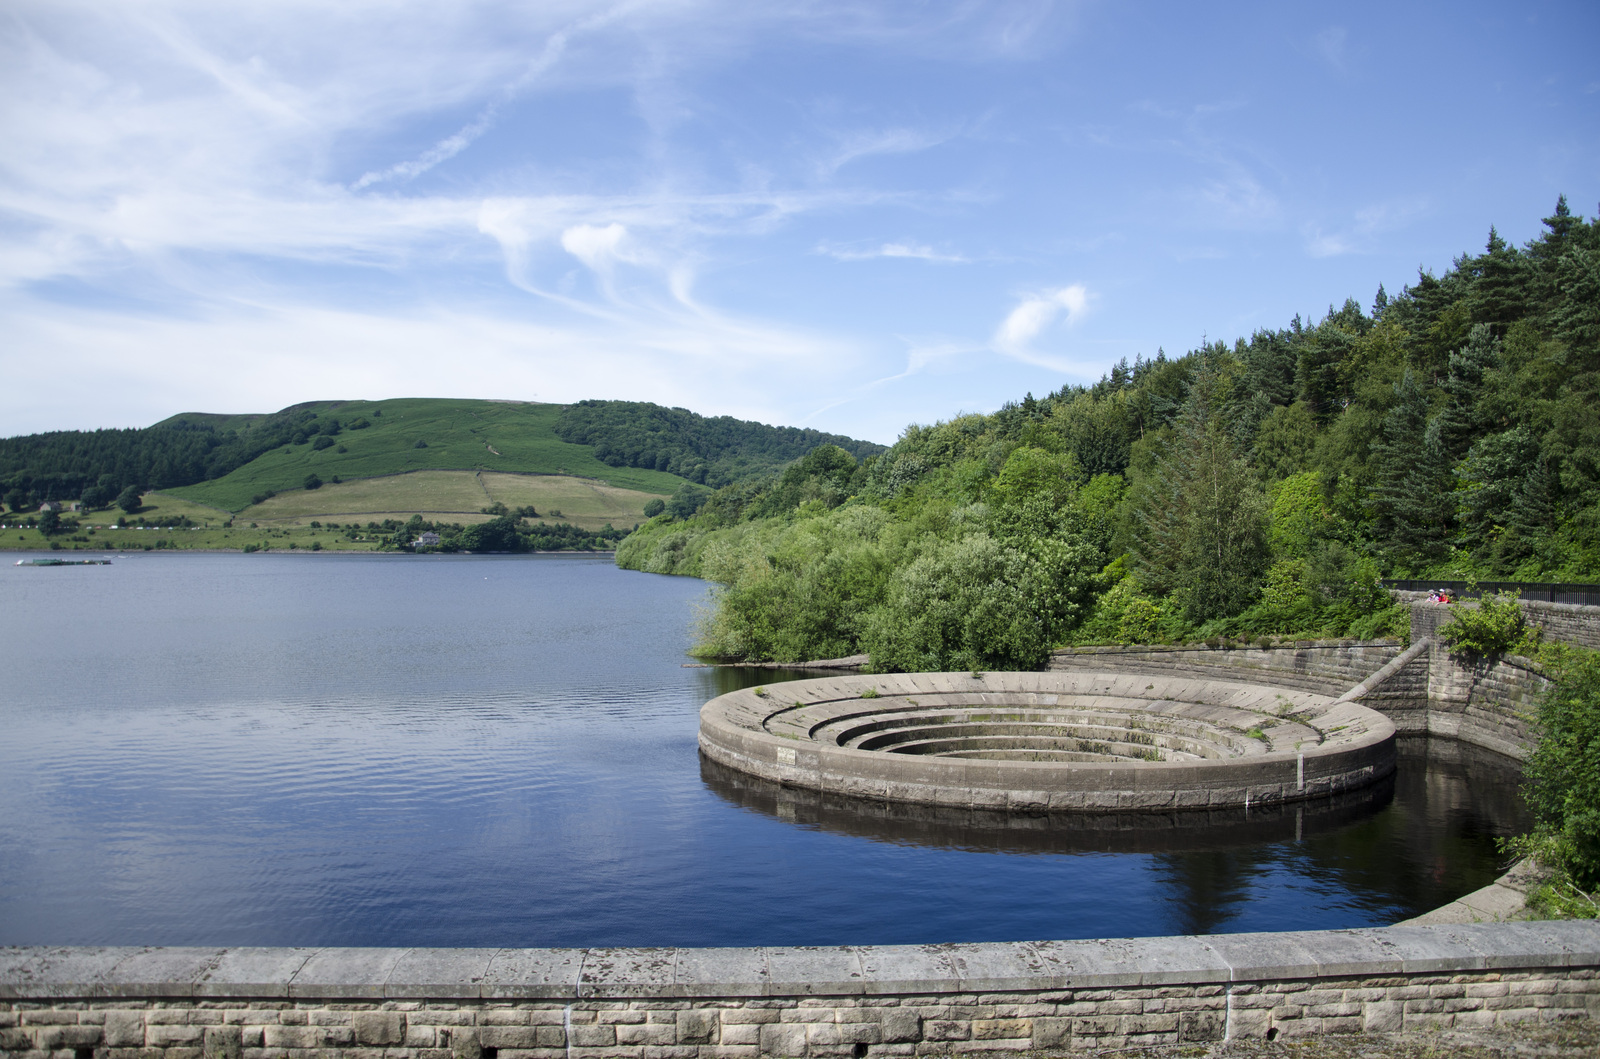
40, 973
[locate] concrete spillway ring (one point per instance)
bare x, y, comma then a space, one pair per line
1049, 741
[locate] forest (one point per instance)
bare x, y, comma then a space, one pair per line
1247, 491
713, 451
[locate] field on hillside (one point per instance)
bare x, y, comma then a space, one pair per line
416, 434
455, 496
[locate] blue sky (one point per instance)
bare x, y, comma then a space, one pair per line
851, 216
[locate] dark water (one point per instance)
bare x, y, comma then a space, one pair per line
366, 750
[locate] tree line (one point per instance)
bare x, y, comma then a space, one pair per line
1256, 489
97, 466
711, 451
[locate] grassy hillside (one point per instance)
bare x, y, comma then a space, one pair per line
455, 496
415, 434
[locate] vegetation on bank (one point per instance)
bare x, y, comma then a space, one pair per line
1563, 785
1245, 491
160, 522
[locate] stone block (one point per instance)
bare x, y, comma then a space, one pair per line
860, 1033
754, 1016
1201, 1025
1051, 1034
1148, 1024
124, 1029
671, 1051
736, 1034
379, 1028
503, 1017
785, 1040
1252, 1024
946, 1030
619, 1016
508, 1036
550, 1036
901, 1026
49, 1017
595, 1036
222, 1042
697, 1026
421, 1036
167, 1036
1001, 1029
1383, 1017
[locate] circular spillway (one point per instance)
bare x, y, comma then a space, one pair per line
1049, 741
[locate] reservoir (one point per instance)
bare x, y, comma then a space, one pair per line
501, 751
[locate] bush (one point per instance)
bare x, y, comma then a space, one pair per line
322, 442
312, 481
976, 604
655, 507
1563, 774
1494, 626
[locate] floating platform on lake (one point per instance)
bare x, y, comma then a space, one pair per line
63, 562
1050, 741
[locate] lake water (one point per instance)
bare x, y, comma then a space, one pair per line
500, 751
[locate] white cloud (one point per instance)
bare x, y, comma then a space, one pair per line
1032, 316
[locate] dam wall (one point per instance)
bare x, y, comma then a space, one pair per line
1047, 997
1485, 702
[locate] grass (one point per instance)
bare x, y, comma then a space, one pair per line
455, 496
469, 435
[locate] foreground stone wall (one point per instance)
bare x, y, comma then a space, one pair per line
744, 1003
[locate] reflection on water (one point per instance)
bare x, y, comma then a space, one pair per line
999, 832
1404, 845
485, 751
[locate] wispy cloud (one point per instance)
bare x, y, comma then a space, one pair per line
914, 251
854, 146
1332, 45
443, 151
1364, 231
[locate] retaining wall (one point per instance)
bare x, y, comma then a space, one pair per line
1485, 703
733, 1003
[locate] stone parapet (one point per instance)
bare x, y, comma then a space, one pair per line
1049, 996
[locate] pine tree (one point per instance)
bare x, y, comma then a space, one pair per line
1411, 498
1463, 419
1500, 292
1200, 531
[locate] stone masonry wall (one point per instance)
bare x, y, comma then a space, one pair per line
936, 1000
1566, 622
1485, 703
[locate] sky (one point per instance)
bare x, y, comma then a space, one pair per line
845, 215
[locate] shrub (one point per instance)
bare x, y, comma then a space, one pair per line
1494, 626
1563, 774
322, 442
655, 507
313, 481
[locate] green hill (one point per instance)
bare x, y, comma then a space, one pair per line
231, 462
369, 439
